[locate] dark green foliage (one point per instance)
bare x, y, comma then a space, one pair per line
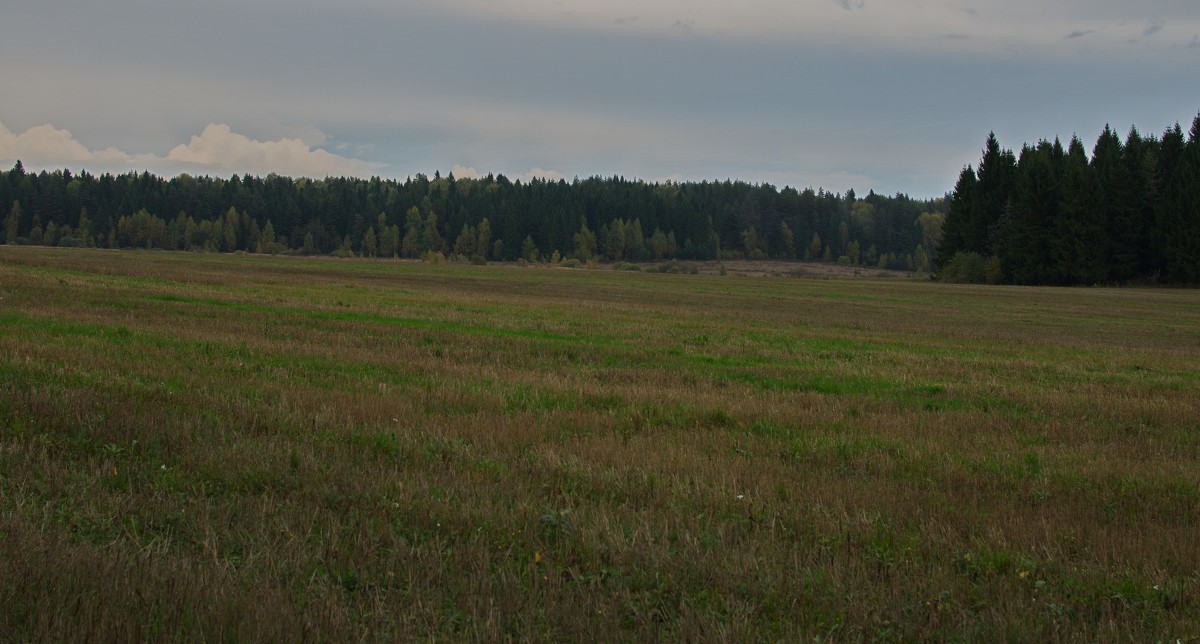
1052, 216
614, 219
1079, 241
966, 268
1113, 190
962, 207
1180, 205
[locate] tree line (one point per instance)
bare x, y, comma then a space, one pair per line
491, 217
1129, 213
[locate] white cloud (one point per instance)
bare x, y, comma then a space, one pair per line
220, 148
469, 172
463, 172
217, 149
48, 145
539, 173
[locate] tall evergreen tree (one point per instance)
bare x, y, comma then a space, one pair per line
1079, 245
1026, 253
958, 220
1180, 205
1113, 184
996, 171
1141, 157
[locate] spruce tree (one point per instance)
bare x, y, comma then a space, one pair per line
1113, 181
1025, 255
958, 220
1140, 159
996, 171
1180, 205
1079, 245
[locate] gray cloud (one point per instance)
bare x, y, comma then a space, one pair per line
795, 93
1153, 27
1079, 34
685, 26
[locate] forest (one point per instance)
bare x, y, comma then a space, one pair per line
488, 218
1129, 214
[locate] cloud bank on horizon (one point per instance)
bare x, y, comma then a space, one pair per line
893, 96
215, 150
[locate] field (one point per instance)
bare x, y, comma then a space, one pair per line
203, 447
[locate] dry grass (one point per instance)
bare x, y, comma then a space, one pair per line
203, 447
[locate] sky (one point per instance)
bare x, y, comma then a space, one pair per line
884, 95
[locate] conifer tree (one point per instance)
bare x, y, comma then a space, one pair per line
1140, 160
1025, 254
958, 220
996, 175
1113, 188
1078, 243
1180, 206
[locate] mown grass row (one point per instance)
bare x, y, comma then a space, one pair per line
200, 447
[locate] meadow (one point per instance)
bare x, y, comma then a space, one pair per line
236, 447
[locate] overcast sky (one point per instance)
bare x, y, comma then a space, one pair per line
889, 95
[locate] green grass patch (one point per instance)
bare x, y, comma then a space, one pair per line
239, 447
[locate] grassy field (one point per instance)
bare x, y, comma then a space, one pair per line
202, 447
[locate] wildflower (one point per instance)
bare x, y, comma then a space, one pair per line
537, 556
